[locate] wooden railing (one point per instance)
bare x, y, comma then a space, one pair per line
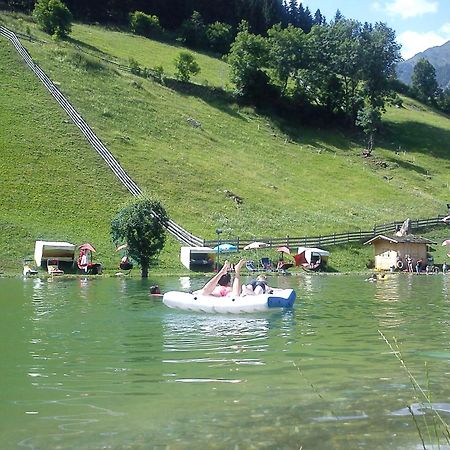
330, 239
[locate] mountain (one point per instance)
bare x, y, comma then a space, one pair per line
438, 56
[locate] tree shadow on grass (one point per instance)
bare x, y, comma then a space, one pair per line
418, 137
215, 97
302, 130
85, 47
408, 165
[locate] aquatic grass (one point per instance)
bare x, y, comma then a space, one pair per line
421, 394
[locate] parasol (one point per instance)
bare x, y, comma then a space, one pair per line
446, 242
121, 247
87, 246
256, 245
224, 248
283, 250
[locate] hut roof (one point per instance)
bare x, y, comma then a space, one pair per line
409, 238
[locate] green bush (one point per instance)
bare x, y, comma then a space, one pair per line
53, 17
144, 24
186, 66
220, 37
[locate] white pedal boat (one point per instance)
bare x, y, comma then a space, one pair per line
280, 298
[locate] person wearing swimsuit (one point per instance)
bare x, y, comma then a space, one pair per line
220, 285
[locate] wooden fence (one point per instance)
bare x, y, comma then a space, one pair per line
330, 239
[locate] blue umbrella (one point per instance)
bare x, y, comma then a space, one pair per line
223, 248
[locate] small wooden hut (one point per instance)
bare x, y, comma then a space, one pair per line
393, 251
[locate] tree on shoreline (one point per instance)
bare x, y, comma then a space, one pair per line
141, 226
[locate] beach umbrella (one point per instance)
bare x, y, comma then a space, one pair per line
446, 242
121, 247
225, 248
256, 245
87, 246
446, 219
283, 250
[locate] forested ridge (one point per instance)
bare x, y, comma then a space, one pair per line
339, 70
261, 14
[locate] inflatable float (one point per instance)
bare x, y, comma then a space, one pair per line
280, 298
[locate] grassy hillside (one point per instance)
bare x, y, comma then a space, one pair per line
293, 180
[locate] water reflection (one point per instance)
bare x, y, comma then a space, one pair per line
185, 283
388, 290
206, 343
445, 278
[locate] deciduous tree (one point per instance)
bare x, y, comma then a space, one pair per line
424, 80
247, 58
287, 53
220, 36
141, 226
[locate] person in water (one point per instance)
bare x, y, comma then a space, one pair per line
221, 285
257, 287
154, 290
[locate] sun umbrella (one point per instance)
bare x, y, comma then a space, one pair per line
446, 242
256, 245
446, 219
283, 250
224, 248
87, 246
121, 247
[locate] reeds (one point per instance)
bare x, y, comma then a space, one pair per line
438, 428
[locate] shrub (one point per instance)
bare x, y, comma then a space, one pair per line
159, 73
144, 24
53, 17
186, 66
135, 68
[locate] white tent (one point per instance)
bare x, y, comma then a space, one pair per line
313, 253
197, 258
45, 250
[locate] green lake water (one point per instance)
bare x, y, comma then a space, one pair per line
99, 363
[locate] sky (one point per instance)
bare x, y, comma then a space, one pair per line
418, 24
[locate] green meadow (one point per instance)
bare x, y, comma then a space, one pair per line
293, 179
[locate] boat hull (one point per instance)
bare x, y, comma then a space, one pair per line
280, 298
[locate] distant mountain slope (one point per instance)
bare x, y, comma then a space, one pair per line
438, 56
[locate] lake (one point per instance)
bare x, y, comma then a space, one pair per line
99, 363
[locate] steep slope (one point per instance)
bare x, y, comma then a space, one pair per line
292, 180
